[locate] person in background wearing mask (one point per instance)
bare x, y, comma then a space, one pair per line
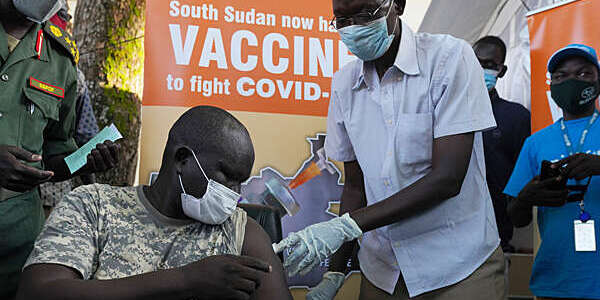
86, 126
38, 85
567, 263
406, 120
180, 238
502, 144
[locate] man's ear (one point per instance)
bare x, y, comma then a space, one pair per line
181, 157
502, 71
400, 5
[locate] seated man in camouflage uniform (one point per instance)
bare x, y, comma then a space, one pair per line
104, 242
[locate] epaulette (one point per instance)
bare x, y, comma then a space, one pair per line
64, 39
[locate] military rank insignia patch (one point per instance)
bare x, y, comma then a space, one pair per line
64, 39
56, 31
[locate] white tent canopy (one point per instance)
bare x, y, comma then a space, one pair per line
473, 19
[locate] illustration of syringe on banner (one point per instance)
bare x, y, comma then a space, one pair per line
278, 193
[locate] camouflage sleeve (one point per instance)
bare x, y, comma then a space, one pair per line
239, 222
70, 236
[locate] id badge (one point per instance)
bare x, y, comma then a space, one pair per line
585, 236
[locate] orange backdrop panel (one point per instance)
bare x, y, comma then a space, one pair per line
179, 33
550, 30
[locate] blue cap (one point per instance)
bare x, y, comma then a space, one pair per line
580, 50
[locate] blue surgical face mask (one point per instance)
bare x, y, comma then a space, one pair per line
368, 42
491, 77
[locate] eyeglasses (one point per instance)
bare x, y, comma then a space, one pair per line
362, 18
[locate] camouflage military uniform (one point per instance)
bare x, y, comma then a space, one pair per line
107, 232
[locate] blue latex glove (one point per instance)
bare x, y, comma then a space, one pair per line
315, 243
328, 287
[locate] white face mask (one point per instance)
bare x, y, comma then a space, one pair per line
38, 11
217, 204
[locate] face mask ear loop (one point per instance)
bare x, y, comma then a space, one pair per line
395, 25
198, 162
181, 183
388, 14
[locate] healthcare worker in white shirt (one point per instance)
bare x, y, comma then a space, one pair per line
406, 120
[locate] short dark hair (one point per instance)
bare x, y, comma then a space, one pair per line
494, 41
208, 128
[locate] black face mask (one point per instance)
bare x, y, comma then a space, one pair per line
575, 96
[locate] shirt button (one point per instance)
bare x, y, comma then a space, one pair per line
389, 122
0, 115
386, 182
4, 77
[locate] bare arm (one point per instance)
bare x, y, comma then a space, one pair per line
450, 161
50, 281
231, 277
257, 244
353, 198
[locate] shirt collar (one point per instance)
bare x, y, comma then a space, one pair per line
406, 58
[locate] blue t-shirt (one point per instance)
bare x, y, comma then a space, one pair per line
559, 271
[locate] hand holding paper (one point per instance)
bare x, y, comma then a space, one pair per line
100, 153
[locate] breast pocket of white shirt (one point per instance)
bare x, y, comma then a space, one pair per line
414, 139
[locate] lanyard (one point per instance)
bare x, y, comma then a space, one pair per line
566, 139
583, 215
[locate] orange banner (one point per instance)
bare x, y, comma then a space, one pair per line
550, 30
258, 56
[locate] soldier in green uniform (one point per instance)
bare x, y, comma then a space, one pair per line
38, 83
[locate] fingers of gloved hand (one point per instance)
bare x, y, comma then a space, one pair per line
106, 155
98, 161
91, 163
336, 277
543, 184
323, 291
298, 252
574, 163
291, 240
114, 148
303, 265
553, 198
306, 266
581, 172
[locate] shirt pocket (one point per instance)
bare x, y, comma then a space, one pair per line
414, 138
39, 110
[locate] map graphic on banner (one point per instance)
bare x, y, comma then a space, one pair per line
318, 198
